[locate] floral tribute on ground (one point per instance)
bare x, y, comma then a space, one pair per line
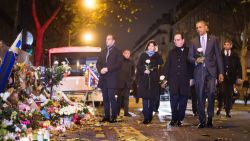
30, 109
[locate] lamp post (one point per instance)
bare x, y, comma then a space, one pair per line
90, 4
88, 37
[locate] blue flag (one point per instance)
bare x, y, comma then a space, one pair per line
8, 62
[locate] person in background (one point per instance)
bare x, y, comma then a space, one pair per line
233, 75
126, 77
157, 100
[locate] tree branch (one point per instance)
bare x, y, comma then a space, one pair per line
53, 16
34, 15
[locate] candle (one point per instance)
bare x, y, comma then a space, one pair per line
46, 135
40, 135
24, 139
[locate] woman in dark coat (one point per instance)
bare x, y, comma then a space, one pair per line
148, 79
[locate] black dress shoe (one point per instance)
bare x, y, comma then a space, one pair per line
172, 123
210, 123
179, 123
128, 115
146, 122
156, 111
105, 120
113, 120
195, 114
150, 119
218, 112
202, 125
228, 115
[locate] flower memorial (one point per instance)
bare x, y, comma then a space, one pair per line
30, 110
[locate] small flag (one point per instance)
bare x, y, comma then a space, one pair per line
8, 62
17, 43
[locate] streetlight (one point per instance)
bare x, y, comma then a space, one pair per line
91, 4
88, 37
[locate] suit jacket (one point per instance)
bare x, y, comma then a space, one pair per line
235, 70
213, 58
126, 74
178, 71
114, 61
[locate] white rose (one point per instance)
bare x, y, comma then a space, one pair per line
7, 122
17, 129
200, 49
147, 61
162, 77
56, 62
5, 96
63, 62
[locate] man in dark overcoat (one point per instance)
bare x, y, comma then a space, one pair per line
178, 73
108, 65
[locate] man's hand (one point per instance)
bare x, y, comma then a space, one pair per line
200, 60
191, 82
147, 71
239, 81
104, 70
221, 77
163, 85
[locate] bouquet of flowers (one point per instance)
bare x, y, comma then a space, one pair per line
200, 52
200, 55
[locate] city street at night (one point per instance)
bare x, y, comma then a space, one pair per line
132, 129
124, 70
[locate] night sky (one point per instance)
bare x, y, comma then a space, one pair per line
151, 11
148, 16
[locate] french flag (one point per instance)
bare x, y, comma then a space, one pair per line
93, 78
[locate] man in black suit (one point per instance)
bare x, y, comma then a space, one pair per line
126, 77
205, 54
178, 72
108, 65
232, 73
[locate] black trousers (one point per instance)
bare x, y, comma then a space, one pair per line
194, 99
109, 101
178, 106
147, 110
157, 103
123, 99
225, 96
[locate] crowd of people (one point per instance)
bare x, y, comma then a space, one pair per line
198, 69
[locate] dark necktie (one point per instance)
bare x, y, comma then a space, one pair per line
108, 52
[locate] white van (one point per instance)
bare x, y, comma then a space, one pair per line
83, 77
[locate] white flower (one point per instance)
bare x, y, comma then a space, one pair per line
63, 62
17, 129
56, 62
162, 77
200, 49
147, 61
9, 136
7, 122
5, 96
